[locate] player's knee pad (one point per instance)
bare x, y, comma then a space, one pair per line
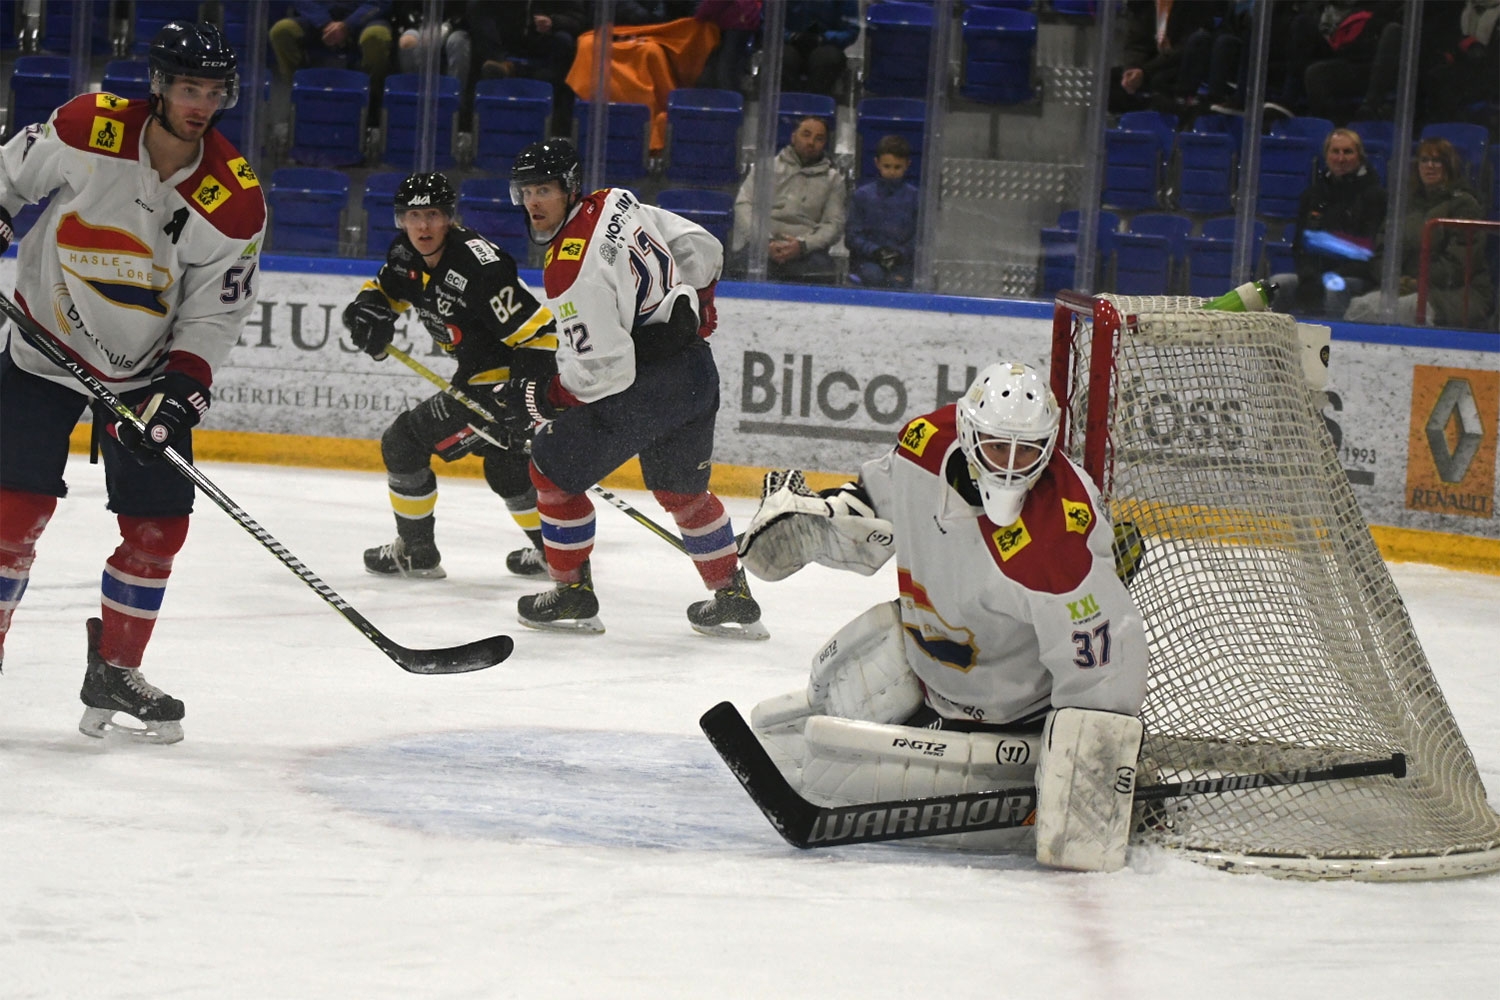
508, 473
148, 544
861, 673
1086, 788
401, 449
849, 762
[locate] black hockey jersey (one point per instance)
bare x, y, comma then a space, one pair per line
475, 305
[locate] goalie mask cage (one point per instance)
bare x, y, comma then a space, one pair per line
1277, 639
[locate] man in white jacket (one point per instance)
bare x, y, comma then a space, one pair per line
807, 208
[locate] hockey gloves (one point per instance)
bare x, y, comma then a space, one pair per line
371, 322
7, 230
708, 314
522, 403
176, 404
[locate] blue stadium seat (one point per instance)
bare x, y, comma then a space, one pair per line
625, 140
307, 207
401, 111
58, 21
1149, 254
1133, 158
999, 49
1206, 158
232, 123
1306, 126
713, 210
380, 216
1210, 255
484, 205
329, 106
792, 107
1378, 137
38, 86
1060, 248
127, 78
1286, 165
897, 39
1470, 140
509, 115
151, 16
881, 116
703, 145
1278, 256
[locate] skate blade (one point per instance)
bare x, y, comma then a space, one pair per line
581, 626
436, 573
733, 630
99, 724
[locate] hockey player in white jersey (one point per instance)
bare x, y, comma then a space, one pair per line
1013, 633
631, 287
142, 268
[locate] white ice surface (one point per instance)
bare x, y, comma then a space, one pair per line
555, 826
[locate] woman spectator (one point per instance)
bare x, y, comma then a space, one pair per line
1338, 221
1438, 192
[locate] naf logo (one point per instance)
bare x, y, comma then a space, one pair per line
916, 435
571, 250
1010, 540
1077, 517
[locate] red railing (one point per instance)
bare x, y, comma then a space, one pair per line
1474, 227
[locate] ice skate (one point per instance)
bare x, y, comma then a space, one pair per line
568, 607
530, 561
108, 689
419, 560
730, 614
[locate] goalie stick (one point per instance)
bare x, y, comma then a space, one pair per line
448, 388
446, 660
805, 825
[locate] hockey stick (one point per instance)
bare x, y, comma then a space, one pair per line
805, 825
447, 660
452, 390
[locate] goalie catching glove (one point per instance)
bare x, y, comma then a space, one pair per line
795, 526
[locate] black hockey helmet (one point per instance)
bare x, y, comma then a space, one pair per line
425, 191
185, 48
550, 159
544, 161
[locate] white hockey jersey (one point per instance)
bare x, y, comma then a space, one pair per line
133, 274
1002, 622
616, 265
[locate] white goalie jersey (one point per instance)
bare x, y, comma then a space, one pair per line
1003, 622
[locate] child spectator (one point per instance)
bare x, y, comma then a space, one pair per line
882, 229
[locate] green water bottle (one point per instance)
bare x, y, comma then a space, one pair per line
1252, 296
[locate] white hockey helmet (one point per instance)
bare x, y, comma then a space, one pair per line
1007, 428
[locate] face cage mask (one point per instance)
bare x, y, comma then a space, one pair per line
1003, 489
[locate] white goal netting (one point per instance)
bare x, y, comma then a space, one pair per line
1277, 638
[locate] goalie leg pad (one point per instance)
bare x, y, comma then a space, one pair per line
1085, 789
851, 762
861, 673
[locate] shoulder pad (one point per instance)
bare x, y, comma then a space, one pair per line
925, 440
102, 123
225, 189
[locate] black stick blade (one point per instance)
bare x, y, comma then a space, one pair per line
463, 659
731, 736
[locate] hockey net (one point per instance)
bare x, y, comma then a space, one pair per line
1277, 638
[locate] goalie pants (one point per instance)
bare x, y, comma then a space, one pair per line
152, 501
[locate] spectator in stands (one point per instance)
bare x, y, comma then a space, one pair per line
1438, 192
807, 208
1466, 63
452, 37
817, 33
536, 39
882, 230
1345, 201
356, 34
651, 11
738, 21
1153, 73
1331, 51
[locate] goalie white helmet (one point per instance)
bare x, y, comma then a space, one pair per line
1007, 428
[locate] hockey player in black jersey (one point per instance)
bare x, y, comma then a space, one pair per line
468, 296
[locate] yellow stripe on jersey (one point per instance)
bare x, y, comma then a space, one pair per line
527, 520
399, 305
414, 508
490, 377
526, 333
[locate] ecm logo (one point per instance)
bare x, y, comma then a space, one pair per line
1455, 402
